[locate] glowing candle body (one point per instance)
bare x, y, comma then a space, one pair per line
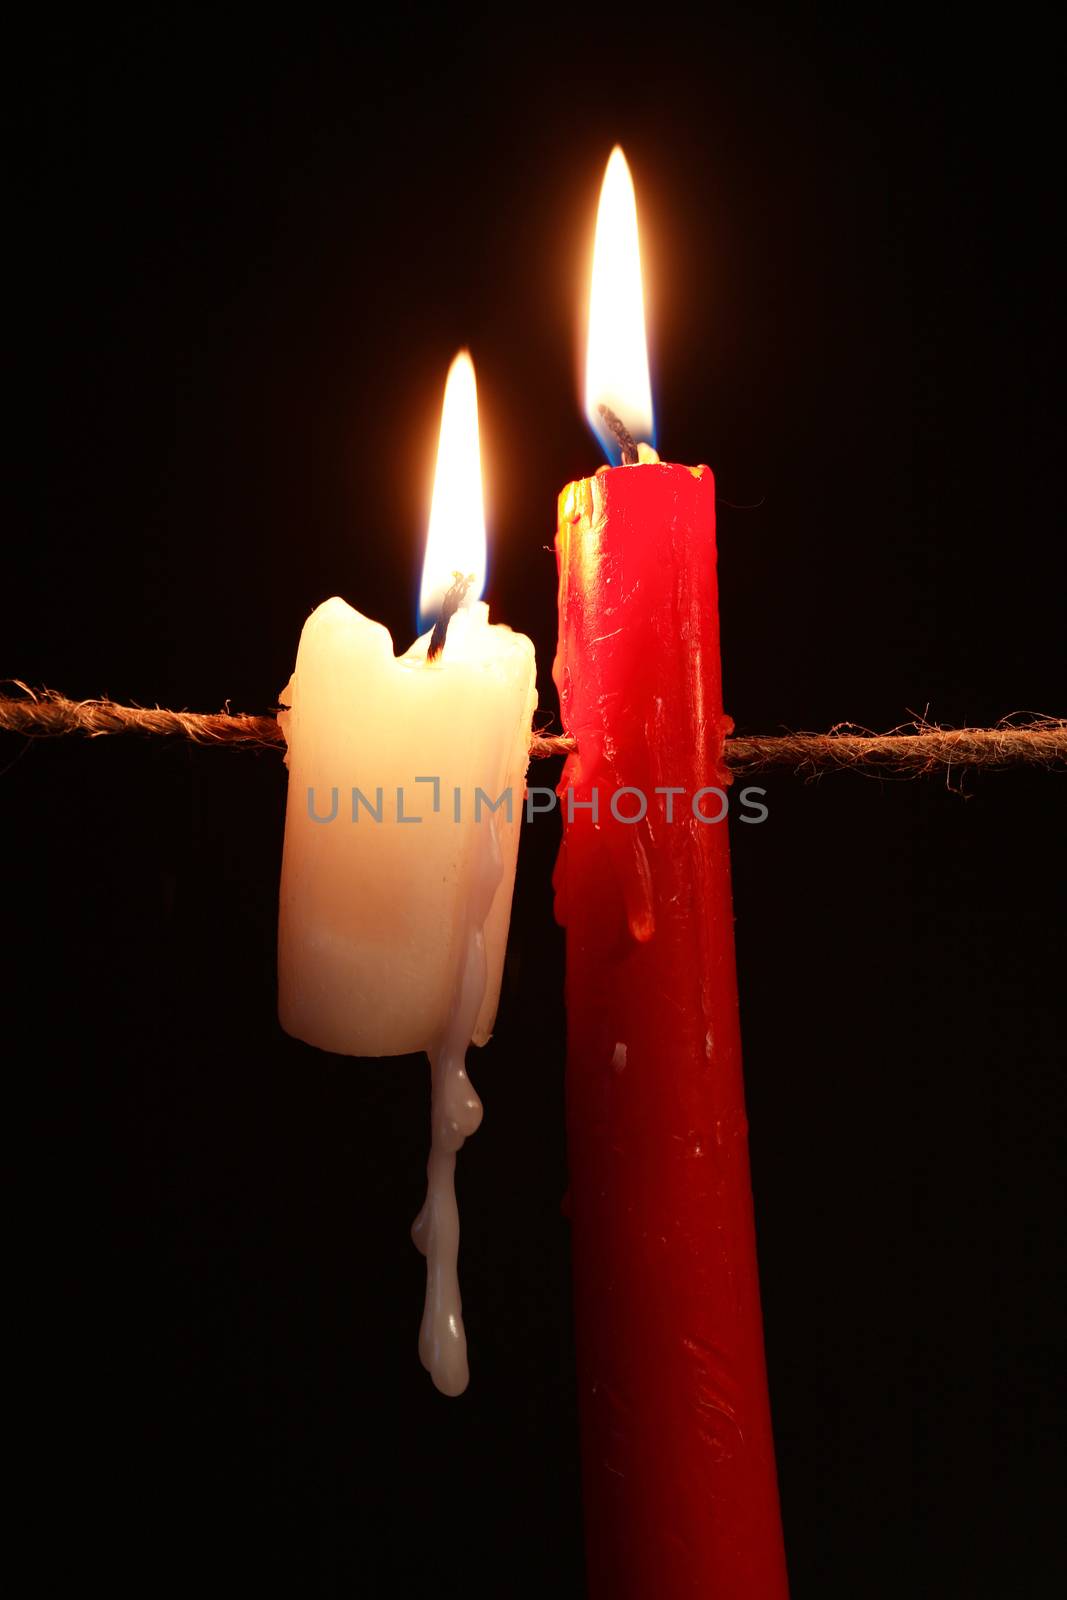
370, 931
397, 874
680, 1494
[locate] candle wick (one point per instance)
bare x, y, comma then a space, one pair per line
449, 606
622, 433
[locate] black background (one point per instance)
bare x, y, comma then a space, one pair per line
246, 257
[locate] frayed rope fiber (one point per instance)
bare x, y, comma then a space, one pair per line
909, 751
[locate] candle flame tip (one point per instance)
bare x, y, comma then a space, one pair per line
617, 381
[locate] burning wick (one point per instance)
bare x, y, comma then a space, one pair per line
449, 606
622, 433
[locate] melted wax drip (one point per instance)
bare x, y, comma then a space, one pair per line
455, 1113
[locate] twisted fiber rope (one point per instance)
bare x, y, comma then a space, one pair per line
909, 751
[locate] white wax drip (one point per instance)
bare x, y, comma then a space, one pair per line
455, 1113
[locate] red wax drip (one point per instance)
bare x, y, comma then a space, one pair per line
678, 1462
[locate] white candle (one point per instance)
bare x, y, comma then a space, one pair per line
406, 786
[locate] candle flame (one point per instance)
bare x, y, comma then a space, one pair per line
616, 364
455, 541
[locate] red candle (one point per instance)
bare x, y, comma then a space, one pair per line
679, 1482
